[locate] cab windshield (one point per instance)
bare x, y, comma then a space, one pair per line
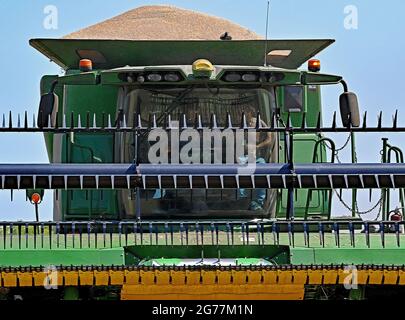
191, 108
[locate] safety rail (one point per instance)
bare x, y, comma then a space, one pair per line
136, 176
106, 123
387, 152
318, 143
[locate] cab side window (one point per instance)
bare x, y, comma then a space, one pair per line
294, 99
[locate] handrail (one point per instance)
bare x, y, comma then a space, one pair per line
314, 159
388, 150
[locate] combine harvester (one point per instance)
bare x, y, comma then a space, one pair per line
192, 225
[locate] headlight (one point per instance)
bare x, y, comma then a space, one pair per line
154, 77
233, 77
172, 77
250, 77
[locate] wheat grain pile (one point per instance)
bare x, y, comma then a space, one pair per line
163, 23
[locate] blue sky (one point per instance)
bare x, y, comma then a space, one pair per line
370, 58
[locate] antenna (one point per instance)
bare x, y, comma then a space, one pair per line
267, 33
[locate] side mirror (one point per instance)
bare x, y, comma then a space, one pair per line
349, 109
48, 107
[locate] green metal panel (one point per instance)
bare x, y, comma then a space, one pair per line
121, 256
385, 256
83, 78
97, 100
303, 153
89, 148
312, 106
117, 76
76, 257
81, 99
314, 78
118, 53
279, 253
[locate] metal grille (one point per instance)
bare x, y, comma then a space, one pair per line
54, 235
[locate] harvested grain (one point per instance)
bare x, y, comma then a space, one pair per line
163, 23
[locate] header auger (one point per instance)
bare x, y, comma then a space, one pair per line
186, 169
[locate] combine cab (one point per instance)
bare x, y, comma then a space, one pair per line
193, 170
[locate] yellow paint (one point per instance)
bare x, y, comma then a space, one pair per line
239, 277
132, 276
315, 276
71, 278
193, 277
269, 277
177, 279
375, 276
224, 277
300, 276
9, 279
25, 279
39, 278
285, 276
208, 277
362, 276
101, 278
162, 277
213, 292
390, 277
147, 277
401, 277
330, 276
254, 277
116, 277
86, 278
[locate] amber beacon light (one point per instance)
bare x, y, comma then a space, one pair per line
85, 65
314, 65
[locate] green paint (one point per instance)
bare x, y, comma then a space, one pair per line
97, 92
182, 262
268, 252
76, 257
71, 294
118, 53
314, 78
85, 78
386, 256
120, 76
318, 205
90, 148
357, 294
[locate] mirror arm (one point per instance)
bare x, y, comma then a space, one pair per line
344, 84
53, 86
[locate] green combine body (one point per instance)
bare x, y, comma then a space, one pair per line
194, 234
98, 93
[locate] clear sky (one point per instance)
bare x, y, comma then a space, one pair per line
371, 58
